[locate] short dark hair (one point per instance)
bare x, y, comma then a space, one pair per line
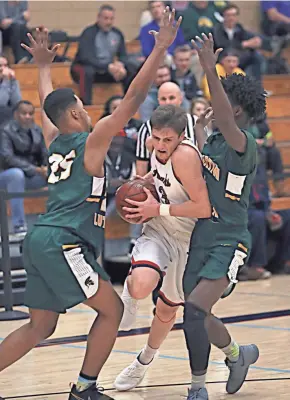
19, 104
106, 7
155, 1
231, 6
169, 116
57, 102
246, 92
182, 49
228, 52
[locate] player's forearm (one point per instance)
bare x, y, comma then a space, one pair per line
190, 209
200, 135
223, 112
44, 83
141, 84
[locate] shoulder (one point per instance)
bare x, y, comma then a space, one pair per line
117, 31
148, 27
89, 29
185, 154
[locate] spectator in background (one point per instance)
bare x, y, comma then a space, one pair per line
183, 76
276, 17
227, 65
10, 93
200, 17
23, 159
14, 16
270, 230
101, 55
231, 34
147, 40
151, 102
198, 108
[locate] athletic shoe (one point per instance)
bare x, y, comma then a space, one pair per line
133, 375
200, 394
238, 370
92, 393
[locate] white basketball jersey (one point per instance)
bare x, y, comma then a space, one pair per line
170, 191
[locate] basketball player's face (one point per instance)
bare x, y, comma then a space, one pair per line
164, 142
84, 118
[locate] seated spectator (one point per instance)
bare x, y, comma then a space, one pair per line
10, 93
151, 102
14, 16
231, 34
121, 162
101, 55
23, 159
199, 107
276, 17
264, 138
200, 17
168, 93
182, 74
270, 230
147, 40
227, 65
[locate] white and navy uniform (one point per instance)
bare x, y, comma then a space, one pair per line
142, 152
164, 242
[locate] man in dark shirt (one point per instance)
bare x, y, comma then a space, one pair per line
23, 159
101, 55
231, 34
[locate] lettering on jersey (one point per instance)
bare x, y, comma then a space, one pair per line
100, 217
164, 197
60, 166
165, 180
211, 166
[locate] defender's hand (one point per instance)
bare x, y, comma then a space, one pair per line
168, 29
206, 117
42, 55
205, 51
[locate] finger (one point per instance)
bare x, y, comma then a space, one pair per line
195, 45
27, 48
205, 38
172, 17
31, 39
133, 202
147, 191
178, 23
154, 33
130, 216
199, 40
55, 48
166, 17
45, 37
131, 210
211, 38
218, 51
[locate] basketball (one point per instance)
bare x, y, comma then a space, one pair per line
133, 190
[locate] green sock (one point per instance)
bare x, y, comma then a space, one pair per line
232, 351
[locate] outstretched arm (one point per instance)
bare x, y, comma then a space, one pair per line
99, 140
222, 109
43, 57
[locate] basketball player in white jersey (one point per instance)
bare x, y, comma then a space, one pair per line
161, 251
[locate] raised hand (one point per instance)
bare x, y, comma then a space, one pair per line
206, 117
42, 55
205, 50
168, 29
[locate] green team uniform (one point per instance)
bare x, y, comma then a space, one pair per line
61, 250
221, 244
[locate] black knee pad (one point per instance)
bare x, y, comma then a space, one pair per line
196, 337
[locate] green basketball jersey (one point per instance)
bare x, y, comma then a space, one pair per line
229, 176
76, 200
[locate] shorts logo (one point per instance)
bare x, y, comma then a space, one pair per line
89, 282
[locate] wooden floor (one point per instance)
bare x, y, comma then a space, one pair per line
45, 373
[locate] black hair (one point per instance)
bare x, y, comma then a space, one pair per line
228, 52
108, 103
169, 116
246, 92
231, 6
106, 7
156, 1
57, 102
19, 104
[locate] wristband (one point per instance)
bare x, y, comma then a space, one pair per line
164, 210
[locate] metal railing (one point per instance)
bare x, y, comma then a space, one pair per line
9, 314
